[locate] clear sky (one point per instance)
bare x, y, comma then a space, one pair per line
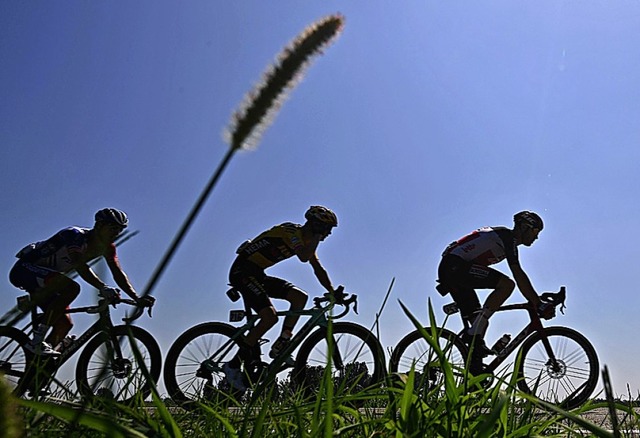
423, 121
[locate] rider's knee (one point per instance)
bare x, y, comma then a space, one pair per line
68, 292
506, 286
65, 323
297, 297
73, 290
268, 316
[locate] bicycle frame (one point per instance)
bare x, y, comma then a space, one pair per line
535, 325
317, 318
103, 325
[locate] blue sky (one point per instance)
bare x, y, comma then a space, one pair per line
422, 122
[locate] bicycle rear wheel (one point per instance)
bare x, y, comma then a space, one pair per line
414, 351
567, 381
189, 374
100, 373
357, 361
14, 358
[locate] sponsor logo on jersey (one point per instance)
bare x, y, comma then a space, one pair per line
256, 246
468, 248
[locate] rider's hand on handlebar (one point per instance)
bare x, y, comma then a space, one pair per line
146, 301
546, 310
111, 294
339, 295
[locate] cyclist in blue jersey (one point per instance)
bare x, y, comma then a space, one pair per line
465, 267
42, 267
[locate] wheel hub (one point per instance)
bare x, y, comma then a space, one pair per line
122, 368
556, 368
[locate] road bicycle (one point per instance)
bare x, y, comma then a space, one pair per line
193, 367
106, 367
556, 364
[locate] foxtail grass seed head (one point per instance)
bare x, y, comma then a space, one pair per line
262, 103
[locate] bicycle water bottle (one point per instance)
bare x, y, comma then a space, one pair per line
501, 343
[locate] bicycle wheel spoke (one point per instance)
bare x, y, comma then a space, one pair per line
114, 371
569, 377
355, 359
415, 352
193, 365
14, 361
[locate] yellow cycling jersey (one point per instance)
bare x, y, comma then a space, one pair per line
274, 245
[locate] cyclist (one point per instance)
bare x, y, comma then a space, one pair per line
465, 267
248, 277
41, 269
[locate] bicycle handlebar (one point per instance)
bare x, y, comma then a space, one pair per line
340, 298
555, 298
145, 302
104, 303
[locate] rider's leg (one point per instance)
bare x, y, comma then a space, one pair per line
502, 292
249, 344
62, 323
54, 299
297, 298
268, 319
468, 303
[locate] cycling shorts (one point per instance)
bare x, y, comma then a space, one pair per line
463, 278
256, 287
33, 278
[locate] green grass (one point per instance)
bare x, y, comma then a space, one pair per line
392, 409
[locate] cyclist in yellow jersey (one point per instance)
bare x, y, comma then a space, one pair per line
257, 288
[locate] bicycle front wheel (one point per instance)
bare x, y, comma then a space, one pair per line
14, 358
414, 351
357, 359
191, 372
102, 372
570, 378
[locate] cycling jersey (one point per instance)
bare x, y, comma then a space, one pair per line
254, 256
274, 245
63, 251
485, 246
464, 265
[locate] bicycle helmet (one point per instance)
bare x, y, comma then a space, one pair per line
529, 218
112, 216
322, 215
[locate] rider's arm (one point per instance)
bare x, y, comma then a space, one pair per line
524, 284
321, 273
87, 274
120, 277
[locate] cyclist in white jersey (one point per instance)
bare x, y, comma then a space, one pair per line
465, 267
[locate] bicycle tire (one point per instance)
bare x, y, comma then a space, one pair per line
14, 359
123, 381
182, 378
362, 356
572, 382
414, 351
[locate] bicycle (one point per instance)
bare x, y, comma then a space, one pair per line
106, 367
557, 364
193, 367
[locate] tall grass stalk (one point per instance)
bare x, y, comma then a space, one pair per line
258, 111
